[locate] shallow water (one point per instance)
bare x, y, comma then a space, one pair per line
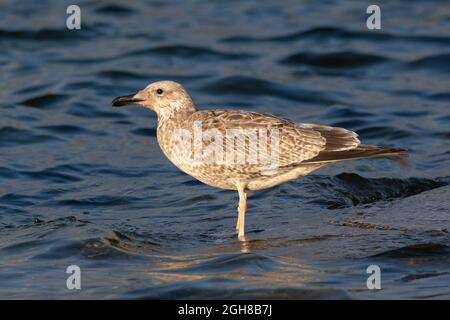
85, 184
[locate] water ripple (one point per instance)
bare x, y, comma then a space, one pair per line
334, 59
190, 52
14, 137
322, 33
44, 101
254, 86
440, 62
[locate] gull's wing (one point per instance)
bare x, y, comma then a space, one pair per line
343, 144
338, 139
298, 145
296, 142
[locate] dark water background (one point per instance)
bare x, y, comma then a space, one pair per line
85, 184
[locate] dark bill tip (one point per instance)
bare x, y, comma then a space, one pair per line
125, 100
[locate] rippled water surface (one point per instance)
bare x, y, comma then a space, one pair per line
85, 184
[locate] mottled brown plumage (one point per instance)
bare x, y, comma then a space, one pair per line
301, 148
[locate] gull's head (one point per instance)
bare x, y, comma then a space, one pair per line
166, 98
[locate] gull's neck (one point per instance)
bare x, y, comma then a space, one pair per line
168, 123
175, 114
177, 110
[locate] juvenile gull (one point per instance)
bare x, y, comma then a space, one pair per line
191, 139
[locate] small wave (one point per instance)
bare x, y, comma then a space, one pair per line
132, 243
190, 200
14, 137
38, 226
69, 129
12, 211
344, 59
227, 289
93, 249
229, 263
324, 32
417, 250
443, 96
440, 62
444, 135
98, 201
189, 52
44, 101
7, 172
85, 110
420, 276
350, 189
410, 114
254, 86
17, 200
51, 175
114, 9
146, 132
87, 169
363, 225
33, 88
351, 124
63, 250
46, 34
125, 173
20, 247
346, 113
118, 74
385, 132
128, 75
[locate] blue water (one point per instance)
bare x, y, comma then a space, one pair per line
85, 184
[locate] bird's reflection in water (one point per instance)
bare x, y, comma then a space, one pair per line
205, 271
245, 245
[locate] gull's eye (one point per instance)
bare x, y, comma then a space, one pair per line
159, 91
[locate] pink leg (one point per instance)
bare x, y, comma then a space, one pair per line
242, 208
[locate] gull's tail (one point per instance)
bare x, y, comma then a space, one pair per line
362, 151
